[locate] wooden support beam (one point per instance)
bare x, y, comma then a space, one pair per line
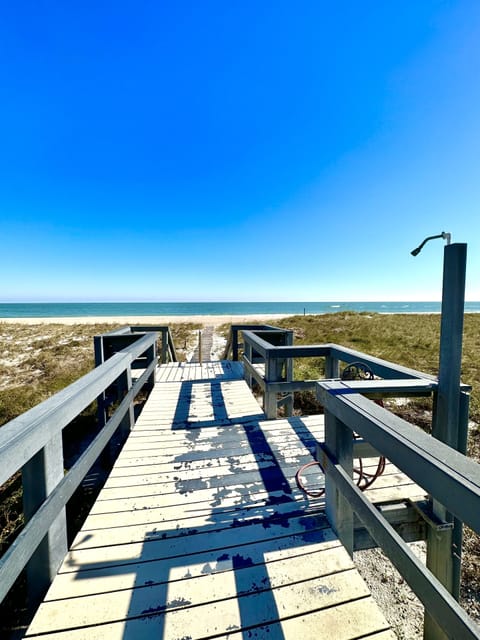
40, 476
339, 443
273, 368
447, 425
443, 608
332, 367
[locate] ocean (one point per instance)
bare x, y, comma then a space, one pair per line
94, 309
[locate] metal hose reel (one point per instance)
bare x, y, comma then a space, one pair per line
353, 371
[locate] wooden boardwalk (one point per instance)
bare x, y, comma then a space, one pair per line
201, 531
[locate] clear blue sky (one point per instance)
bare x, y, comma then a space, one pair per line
254, 150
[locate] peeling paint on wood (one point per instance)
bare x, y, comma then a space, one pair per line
201, 530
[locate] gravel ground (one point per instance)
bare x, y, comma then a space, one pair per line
400, 606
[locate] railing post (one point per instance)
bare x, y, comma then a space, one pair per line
124, 386
151, 357
446, 426
289, 375
272, 374
172, 354
339, 443
449, 423
100, 359
247, 352
234, 344
457, 524
332, 367
40, 476
164, 353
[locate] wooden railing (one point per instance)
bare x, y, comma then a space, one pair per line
126, 362
445, 474
234, 345
108, 343
451, 480
32, 444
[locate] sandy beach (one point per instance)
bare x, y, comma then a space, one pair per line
149, 320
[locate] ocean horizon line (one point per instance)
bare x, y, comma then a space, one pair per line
10, 310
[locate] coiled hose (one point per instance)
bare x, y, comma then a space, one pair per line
354, 371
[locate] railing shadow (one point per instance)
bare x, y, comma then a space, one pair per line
242, 524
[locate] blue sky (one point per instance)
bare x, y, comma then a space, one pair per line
263, 150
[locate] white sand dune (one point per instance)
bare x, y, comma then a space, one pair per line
153, 320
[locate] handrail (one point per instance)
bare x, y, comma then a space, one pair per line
262, 346
232, 346
277, 375
444, 473
448, 476
24, 436
379, 366
271, 367
35, 530
167, 352
32, 442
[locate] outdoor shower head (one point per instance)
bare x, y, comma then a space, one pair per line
445, 236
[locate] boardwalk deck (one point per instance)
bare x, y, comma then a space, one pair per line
201, 531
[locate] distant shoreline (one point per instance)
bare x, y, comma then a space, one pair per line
149, 320
212, 320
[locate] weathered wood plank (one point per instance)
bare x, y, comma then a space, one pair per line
126, 542
197, 403
201, 530
166, 493
307, 582
185, 519
23, 437
193, 565
360, 618
197, 504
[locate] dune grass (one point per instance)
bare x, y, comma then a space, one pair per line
411, 340
38, 360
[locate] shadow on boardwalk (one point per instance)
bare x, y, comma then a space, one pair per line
217, 540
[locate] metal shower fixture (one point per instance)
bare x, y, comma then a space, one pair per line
444, 235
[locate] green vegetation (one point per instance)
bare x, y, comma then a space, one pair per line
411, 340
38, 360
